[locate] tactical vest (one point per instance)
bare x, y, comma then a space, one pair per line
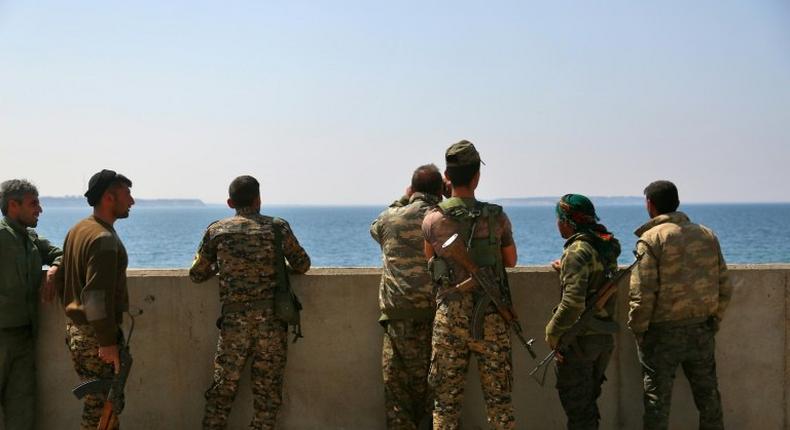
485, 251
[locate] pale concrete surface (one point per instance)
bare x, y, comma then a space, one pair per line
333, 376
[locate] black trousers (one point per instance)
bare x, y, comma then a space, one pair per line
579, 379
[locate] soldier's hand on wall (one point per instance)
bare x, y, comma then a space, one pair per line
714, 324
556, 265
48, 287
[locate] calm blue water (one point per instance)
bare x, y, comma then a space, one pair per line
338, 236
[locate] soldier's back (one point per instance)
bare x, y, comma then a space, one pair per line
689, 269
245, 257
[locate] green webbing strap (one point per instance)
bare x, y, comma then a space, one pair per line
283, 281
282, 274
491, 226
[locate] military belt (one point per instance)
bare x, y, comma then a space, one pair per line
677, 323
418, 314
601, 326
230, 308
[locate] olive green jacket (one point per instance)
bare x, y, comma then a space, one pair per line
22, 254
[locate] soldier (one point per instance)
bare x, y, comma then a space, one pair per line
242, 248
94, 282
589, 258
22, 253
679, 292
486, 230
406, 301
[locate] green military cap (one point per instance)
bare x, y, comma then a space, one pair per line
462, 153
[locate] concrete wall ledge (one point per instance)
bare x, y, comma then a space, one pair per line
333, 378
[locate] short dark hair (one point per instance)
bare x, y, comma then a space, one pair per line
461, 176
427, 179
15, 189
664, 195
243, 191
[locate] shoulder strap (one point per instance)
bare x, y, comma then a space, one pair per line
279, 265
454, 207
491, 212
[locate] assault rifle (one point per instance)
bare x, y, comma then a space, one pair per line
113, 388
455, 250
597, 303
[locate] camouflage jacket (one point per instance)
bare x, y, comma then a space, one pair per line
682, 277
582, 272
405, 281
241, 249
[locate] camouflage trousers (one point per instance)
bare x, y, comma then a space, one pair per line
579, 379
259, 335
693, 348
453, 344
405, 360
84, 349
18, 377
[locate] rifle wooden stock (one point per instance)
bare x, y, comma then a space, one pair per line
454, 249
598, 302
603, 296
108, 420
467, 286
113, 388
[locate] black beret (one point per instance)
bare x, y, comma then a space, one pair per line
99, 183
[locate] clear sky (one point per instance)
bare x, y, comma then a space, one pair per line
337, 102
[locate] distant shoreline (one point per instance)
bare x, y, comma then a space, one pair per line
547, 201
80, 202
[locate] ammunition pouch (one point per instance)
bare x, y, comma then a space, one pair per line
439, 270
287, 306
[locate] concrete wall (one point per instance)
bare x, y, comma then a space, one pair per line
333, 376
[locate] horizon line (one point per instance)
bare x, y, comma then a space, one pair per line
265, 203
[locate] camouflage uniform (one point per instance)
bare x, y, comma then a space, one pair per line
453, 341
581, 373
84, 349
407, 310
241, 249
675, 310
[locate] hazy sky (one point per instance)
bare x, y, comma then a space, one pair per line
337, 102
